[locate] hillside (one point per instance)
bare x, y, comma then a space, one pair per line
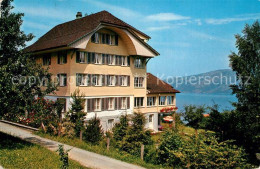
216, 82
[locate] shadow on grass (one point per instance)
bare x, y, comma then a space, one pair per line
10, 142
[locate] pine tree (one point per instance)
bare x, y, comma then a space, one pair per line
93, 133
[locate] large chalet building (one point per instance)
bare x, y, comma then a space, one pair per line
106, 59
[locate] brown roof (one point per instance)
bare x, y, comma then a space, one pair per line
156, 85
68, 32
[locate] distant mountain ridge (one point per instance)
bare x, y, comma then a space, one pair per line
213, 82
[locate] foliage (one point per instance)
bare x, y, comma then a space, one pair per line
193, 115
68, 128
246, 64
120, 129
76, 114
64, 157
16, 153
135, 135
93, 133
20, 76
202, 151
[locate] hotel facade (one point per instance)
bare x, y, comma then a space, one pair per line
106, 59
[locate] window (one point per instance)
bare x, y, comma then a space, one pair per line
111, 104
46, 60
139, 63
98, 58
162, 100
170, 100
124, 80
150, 118
110, 123
95, 38
111, 59
45, 82
104, 38
81, 57
139, 81
62, 79
97, 80
124, 60
62, 57
124, 103
139, 101
83, 80
97, 104
151, 101
111, 80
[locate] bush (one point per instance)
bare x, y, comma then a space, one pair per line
93, 133
120, 129
202, 151
136, 135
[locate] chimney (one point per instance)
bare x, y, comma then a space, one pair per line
79, 15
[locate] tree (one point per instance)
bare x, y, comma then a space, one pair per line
120, 129
20, 76
136, 135
76, 113
194, 115
93, 132
246, 64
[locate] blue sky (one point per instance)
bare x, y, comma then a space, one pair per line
192, 36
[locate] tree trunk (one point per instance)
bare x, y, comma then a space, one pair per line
43, 127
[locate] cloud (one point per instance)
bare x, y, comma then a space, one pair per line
117, 9
233, 19
166, 17
45, 12
158, 28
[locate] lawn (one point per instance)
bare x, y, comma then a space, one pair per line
16, 153
101, 149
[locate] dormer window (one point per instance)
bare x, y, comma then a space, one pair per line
105, 38
139, 63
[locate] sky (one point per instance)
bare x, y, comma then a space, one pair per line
192, 36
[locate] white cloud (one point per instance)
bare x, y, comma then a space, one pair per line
233, 19
166, 17
46, 12
158, 28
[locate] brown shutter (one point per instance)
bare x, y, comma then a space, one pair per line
116, 104
92, 105
107, 102
103, 80
89, 105
103, 104
116, 79
119, 102
119, 80
128, 80
128, 102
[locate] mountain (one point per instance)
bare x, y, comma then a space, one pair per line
216, 82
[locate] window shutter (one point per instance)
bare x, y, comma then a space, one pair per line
58, 58
116, 80
58, 76
128, 102
89, 57
65, 57
89, 105
93, 38
116, 40
77, 56
128, 80
103, 58
86, 57
120, 60
119, 102
103, 104
49, 59
116, 58
92, 57
103, 80
77, 79
92, 105
119, 79
65, 80
116, 104
128, 60
107, 103
108, 59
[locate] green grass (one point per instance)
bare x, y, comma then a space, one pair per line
101, 149
16, 153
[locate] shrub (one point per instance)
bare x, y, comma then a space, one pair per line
136, 135
93, 132
120, 129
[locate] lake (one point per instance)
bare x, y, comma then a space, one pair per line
223, 100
